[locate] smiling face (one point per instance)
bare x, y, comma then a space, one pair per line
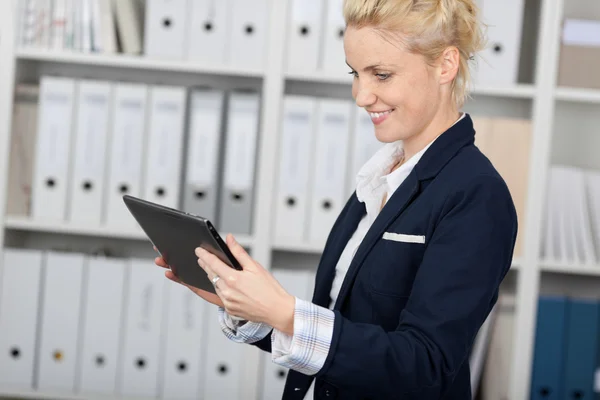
408, 99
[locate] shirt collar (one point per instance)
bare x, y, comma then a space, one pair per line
375, 172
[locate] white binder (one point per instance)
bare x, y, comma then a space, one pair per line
126, 155
304, 35
224, 363
209, 31
101, 326
296, 150
53, 150
183, 364
498, 63
200, 193
165, 140
364, 144
240, 156
60, 317
86, 187
333, 56
298, 283
139, 372
249, 27
19, 316
166, 29
329, 182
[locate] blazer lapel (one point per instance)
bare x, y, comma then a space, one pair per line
341, 234
401, 198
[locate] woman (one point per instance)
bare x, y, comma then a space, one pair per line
414, 262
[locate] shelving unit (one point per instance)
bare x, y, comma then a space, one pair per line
538, 98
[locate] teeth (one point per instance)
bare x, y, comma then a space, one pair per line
378, 115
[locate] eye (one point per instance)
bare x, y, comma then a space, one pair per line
353, 73
382, 77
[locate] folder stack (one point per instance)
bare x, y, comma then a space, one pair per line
323, 143
193, 149
566, 348
571, 231
114, 327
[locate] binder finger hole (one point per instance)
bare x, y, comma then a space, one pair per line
15, 352
160, 192
181, 366
57, 355
167, 22
327, 204
123, 188
578, 394
199, 195
222, 369
249, 29
281, 374
341, 33
545, 392
304, 30
237, 197
208, 26
291, 201
87, 186
50, 182
99, 360
497, 48
140, 363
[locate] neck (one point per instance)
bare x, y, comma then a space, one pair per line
441, 122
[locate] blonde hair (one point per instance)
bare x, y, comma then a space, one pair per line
426, 27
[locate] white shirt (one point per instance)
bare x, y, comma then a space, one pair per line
372, 182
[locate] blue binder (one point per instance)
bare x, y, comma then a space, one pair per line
549, 349
582, 349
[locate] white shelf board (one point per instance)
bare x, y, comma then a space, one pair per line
577, 95
515, 91
300, 247
55, 395
570, 268
132, 62
27, 224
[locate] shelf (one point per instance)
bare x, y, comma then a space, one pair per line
55, 395
132, 62
309, 248
578, 95
26, 224
343, 78
570, 269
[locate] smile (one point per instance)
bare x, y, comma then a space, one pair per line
378, 117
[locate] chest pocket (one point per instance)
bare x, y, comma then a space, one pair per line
394, 264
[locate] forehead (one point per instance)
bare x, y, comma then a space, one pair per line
367, 45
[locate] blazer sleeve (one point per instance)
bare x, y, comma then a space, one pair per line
457, 284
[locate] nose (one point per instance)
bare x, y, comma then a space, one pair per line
364, 96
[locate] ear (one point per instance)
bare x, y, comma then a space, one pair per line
449, 63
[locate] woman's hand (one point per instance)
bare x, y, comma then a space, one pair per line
253, 293
210, 297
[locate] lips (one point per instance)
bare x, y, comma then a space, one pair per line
378, 117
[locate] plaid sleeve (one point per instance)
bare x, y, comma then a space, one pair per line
305, 351
242, 331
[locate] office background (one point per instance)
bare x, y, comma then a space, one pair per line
232, 109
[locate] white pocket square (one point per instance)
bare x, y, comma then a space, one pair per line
400, 237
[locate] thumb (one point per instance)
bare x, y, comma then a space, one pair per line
239, 252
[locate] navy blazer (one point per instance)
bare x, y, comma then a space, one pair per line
407, 314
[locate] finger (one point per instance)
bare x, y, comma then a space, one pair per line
160, 262
239, 252
214, 265
169, 274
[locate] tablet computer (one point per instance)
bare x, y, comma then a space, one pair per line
176, 235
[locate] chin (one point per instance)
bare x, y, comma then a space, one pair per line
386, 135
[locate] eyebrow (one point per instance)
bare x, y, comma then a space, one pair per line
369, 68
